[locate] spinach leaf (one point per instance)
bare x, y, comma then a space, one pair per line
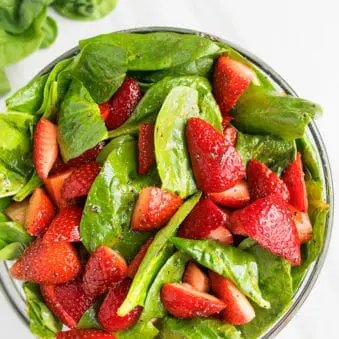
29, 98
173, 328
89, 318
80, 126
274, 152
4, 83
33, 183
49, 31
276, 285
111, 201
259, 111
159, 50
231, 262
85, 9
42, 321
155, 257
102, 69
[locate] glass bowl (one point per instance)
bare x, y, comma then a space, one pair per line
12, 288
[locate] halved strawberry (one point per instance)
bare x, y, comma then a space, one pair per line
146, 155
231, 134
84, 334
221, 234
230, 79
123, 103
238, 309
45, 149
205, 218
104, 110
135, 263
303, 224
79, 183
47, 263
295, 182
195, 277
67, 301
226, 119
104, 268
269, 221
65, 226
39, 214
154, 208
182, 301
263, 182
217, 166
235, 197
16, 211
108, 316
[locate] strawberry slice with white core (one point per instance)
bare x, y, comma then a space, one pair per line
195, 277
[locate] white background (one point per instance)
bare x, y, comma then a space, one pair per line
299, 39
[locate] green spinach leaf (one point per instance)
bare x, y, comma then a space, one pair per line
5, 87
89, 318
33, 183
50, 32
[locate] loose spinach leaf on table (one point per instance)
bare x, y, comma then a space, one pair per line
4, 83
50, 32
155, 258
33, 183
80, 126
231, 262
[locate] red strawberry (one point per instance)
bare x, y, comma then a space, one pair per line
154, 209
146, 155
217, 166
84, 334
108, 316
123, 103
221, 234
230, 134
205, 218
182, 301
104, 110
39, 214
238, 309
295, 182
226, 119
16, 211
104, 268
235, 197
303, 224
79, 183
45, 149
47, 263
263, 182
67, 301
195, 277
135, 263
230, 79
65, 226
269, 221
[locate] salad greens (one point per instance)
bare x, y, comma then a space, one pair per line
49, 32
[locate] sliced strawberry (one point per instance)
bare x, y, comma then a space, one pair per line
269, 221
104, 268
45, 149
123, 103
135, 263
108, 316
236, 226
205, 218
67, 301
238, 309
295, 182
230, 79
84, 334
154, 209
79, 183
217, 166
182, 301
235, 197
263, 182
231, 134
146, 155
39, 214
221, 234
16, 211
195, 277
303, 224
226, 119
47, 263
104, 110
65, 226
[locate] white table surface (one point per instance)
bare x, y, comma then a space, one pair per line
297, 38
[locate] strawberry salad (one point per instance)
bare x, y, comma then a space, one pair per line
157, 185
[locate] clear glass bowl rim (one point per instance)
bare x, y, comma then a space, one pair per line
12, 291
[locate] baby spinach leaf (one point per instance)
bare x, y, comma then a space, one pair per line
89, 318
159, 50
5, 87
259, 111
171, 153
33, 183
29, 98
229, 261
102, 69
158, 252
42, 321
80, 126
111, 201
274, 152
49, 31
